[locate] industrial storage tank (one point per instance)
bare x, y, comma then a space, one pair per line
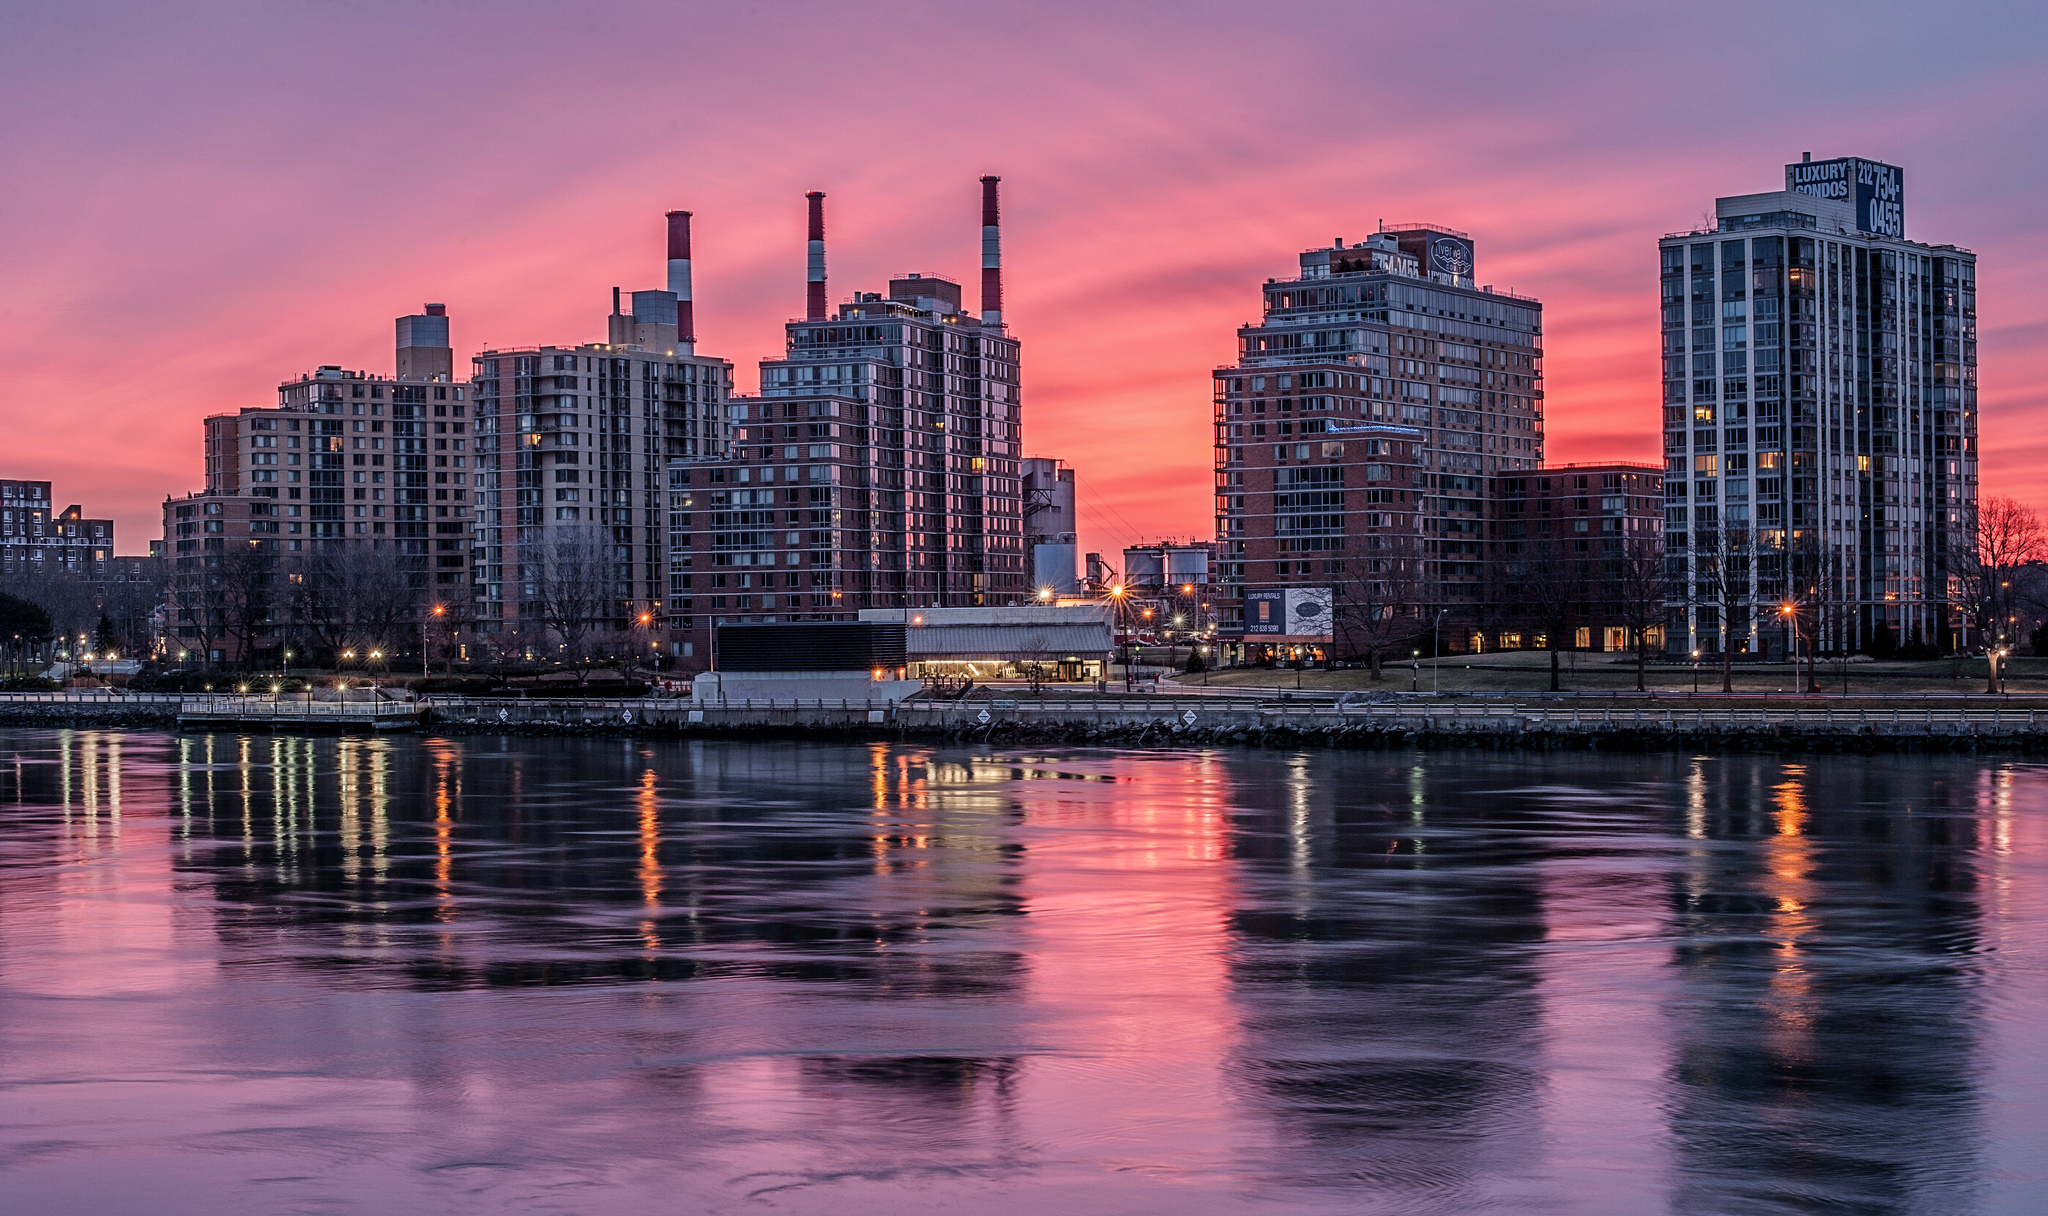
1187, 564
1144, 568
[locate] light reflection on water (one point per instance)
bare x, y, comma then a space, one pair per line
406, 974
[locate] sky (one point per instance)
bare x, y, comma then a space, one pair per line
200, 200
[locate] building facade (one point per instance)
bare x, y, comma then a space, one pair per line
1360, 434
344, 458
1820, 416
573, 445
1594, 533
879, 467
36, 539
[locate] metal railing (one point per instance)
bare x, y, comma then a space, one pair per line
1187, 711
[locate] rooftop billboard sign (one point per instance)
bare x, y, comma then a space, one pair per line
1878, 190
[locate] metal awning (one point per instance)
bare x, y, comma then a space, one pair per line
1041, 643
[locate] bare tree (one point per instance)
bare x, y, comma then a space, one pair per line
246, 587
358, 596
1544, 583
1722, 561
575, 592
1380, 600
67, 598
24, 628
2001, 536
1638, 588
1799, 581
196, 613
130, 602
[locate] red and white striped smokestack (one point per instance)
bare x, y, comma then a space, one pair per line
679, 279
991, 255
814, 278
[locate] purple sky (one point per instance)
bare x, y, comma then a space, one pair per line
203, 199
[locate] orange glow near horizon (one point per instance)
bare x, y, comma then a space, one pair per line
187, 231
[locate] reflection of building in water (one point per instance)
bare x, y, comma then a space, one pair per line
469, 863
76, 779
1822, 1034
1383, 968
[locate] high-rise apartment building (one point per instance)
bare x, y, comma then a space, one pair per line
878, 468
1359, 434
572, 446
345, 457
1820, 415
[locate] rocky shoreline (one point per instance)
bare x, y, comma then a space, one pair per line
1420, 730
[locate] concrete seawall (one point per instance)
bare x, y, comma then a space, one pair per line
1161, 722
1168, 721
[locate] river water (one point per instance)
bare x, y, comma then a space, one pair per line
514, 975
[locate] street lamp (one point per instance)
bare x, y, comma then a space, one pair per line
1436, 642
1792, 619
1695, 673
425, 668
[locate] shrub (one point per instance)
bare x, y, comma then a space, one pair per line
180, 681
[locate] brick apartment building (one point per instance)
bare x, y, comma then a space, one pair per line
1599, 526
1361, 435
344, 458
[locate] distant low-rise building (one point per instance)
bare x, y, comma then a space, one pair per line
35, 538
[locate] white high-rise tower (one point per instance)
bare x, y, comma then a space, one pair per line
1820, 418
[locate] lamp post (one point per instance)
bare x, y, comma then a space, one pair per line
426, 669
1436, 642
1792, 619
1695, 672
1119, 610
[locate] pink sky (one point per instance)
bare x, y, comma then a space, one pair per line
202, 200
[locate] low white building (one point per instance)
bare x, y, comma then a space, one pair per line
1064, 642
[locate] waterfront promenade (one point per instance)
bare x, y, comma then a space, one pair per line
1171, 717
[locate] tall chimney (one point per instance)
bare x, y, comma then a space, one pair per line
679, 279
991, 255
814, 286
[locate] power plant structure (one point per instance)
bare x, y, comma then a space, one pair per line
880, 466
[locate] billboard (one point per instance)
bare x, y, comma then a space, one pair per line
1877, 190
1452, 257
1298, 614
